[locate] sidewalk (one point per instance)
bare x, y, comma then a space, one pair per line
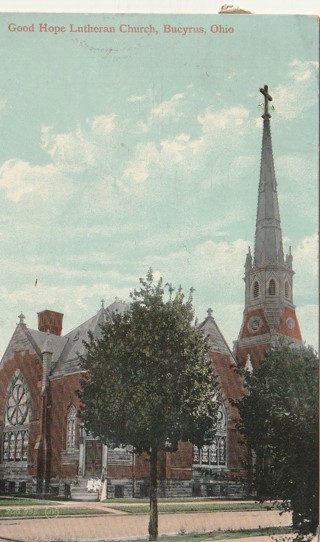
125, 527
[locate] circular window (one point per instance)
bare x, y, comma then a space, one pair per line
17, 410
290, 323
254, 323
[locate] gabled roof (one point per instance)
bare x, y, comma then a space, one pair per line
20, 342
65, 349
57, 342
217, 341
223, 362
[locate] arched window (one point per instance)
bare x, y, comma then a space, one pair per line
286, 289
214, 454
71, 428
16, 421
272, 287
256, 289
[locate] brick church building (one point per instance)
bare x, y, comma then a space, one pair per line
44, 448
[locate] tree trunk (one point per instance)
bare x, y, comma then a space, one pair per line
153, 521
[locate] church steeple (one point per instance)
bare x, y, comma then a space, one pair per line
269, 311
268, 238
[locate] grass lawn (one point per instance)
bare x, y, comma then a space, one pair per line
173, 508
49, 512
12, 501
179, 499
201, 537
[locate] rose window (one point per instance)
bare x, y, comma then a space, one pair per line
17, 409
15, 442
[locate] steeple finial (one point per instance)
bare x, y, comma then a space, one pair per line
102, 303
21, 318
268, 239
267, 98
209, 312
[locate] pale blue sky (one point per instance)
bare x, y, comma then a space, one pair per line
125, 151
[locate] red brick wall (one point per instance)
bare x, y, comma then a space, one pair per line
295, 332
31, 369
63, 394
257, 353
246, 332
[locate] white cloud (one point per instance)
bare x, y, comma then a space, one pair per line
223, 119
18, 178
181, 155
219, 271
65, 299
303, 70
308, 318
167, 109
296, 167
72, 151
137, 170
149, 94
306, 259
300, 94
3, 103
104, 124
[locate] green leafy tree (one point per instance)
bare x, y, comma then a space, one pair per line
280, 419
149, 380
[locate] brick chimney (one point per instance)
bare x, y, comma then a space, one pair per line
50, 320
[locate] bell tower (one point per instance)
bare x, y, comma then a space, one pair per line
269, 312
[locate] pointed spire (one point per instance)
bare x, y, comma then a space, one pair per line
268, 240
289, 259
248, 263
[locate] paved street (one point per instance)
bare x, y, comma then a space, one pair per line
126, 526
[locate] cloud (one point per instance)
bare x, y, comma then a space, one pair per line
224, 119
104, 124
143, 97
300, 94
183, 156
218, 274
296, 167
66, 299
303, 70
19, 178
138, 169
73, 151
305, 263
308, 318
3, 103
168, 108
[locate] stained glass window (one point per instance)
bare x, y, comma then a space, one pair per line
71, 428
16, 421
6, 447
215, 453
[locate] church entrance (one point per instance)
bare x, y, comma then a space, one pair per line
93, 461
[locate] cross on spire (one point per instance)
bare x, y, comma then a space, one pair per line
21, 318
267, 98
